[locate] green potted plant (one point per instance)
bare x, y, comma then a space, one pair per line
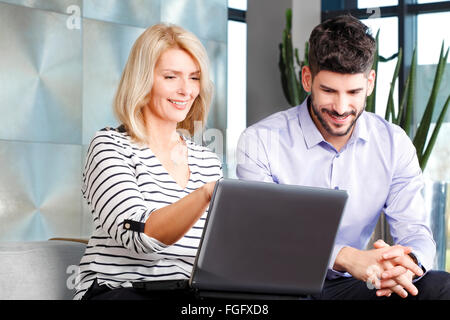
403, 117
290, 79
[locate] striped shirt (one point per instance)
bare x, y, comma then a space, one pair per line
123, 181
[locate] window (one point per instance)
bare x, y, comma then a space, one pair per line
430, 1
376, 3
432, 30
238, 4
237, 80
388, 45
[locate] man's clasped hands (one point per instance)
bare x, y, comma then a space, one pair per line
389, 269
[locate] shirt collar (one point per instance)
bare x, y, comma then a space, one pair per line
361, 131
310, 132
313, 136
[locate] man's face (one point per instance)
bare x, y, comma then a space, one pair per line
337, 101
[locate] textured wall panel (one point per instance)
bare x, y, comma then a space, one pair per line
206, 19
58, 76
40, 76
39, 190
106, 50
140, 13
60, 6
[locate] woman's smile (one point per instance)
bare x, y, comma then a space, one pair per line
179, 104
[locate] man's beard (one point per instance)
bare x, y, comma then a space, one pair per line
325, 125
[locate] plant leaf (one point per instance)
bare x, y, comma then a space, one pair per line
408, 111
427, 153
390, 112
371, 100
383, 59
422, 131
298, 80
306, 55
288, 18
282, 67
401, 107
290, 71
290, 83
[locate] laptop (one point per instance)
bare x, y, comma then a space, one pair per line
266, 240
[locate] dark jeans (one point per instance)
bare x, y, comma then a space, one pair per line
103, 292
434, 285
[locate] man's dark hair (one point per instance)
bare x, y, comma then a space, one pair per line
343, 45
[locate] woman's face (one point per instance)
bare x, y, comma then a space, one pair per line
176, 84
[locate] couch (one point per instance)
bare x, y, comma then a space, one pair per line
44, 270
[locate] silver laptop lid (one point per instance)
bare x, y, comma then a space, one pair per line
267, 238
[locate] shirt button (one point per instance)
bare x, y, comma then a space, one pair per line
127, 226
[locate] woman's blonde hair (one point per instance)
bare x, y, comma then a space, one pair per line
135, 86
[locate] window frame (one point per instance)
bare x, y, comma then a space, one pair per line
234, 15
237, 15
406, 11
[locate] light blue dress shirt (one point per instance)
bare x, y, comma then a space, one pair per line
378, 167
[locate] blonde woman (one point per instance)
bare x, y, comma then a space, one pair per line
148, 187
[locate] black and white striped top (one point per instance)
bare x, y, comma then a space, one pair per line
122, 181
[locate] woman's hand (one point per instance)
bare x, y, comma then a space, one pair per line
168, 224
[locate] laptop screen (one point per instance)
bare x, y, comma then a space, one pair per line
267, 238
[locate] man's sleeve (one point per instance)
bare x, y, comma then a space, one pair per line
252, 158
405, 209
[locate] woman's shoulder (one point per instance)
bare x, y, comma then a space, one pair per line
113, 138
111, 141
112, 133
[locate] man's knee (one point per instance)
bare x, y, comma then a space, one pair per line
435, 285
